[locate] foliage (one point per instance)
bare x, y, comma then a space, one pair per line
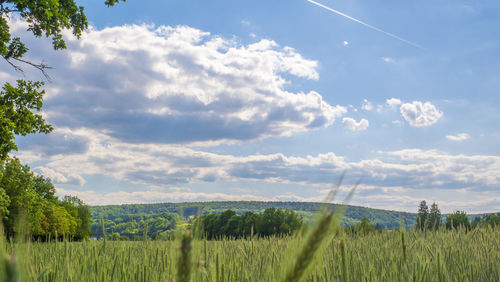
135, 226
486, 221
26, 196
16, 113
434, 218
44, 17
362, 228
352, 215
423, 213
457, 220
17, 181
428, 219
271, 222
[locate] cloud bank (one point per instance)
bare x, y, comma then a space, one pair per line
165, 165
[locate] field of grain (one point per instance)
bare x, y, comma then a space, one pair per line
387, 256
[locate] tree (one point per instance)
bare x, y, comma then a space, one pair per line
378, 227
56, 221
434, 218
364, 227
457, 220
81, 213
267, 223
18, 185
423, 213
45, 189
494, 220
232, 227
19, 104
249, 222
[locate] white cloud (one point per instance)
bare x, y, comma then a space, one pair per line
59, 178
207, 89
459, 137
388, 59
352, 125
393, 102
177, 166
420, 114
367, 105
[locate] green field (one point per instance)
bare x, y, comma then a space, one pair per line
432, 256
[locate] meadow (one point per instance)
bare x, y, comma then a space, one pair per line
409, 255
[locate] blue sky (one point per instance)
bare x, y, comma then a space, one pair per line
258, 100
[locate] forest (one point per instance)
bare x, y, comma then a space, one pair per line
306, 210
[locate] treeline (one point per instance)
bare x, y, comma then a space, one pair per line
28, 205
157, 221
352, 215
229, 224
136, 226
431, 219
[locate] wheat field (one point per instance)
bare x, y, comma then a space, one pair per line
386, 256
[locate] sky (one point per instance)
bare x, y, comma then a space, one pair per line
273, 100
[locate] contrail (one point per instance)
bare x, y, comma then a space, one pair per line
365, 24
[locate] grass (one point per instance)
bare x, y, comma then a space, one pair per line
388, 256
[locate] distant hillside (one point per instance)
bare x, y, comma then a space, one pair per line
307, 210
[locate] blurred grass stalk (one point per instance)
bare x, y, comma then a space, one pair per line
329, 220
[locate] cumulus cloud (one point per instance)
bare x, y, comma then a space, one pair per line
162, 84
459, 137
393, 102
352, 125
420, 114
59, 178
367, 105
